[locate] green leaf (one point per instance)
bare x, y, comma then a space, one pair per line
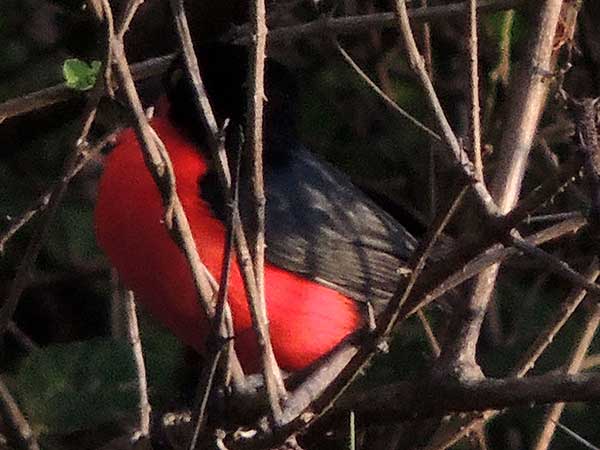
69, 387
80, 75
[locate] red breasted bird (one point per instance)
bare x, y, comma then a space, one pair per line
330, 249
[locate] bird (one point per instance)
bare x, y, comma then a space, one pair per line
332, 254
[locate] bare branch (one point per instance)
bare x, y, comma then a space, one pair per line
407, 400
44, 200
61, 93
36, 242
460, 158
383, 96
254, 130
335, 26
133, 337
157, 160
574, 365
18, 428
475, 137
527, 103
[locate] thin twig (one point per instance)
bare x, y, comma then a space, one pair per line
38, 238
17, 427
43, 200
576, 436
543, 193
461, 160
205, 388
434, 345
16, 223
574, 365
554, 264
128, 15
427, 49
475, 137
133, 337
383, 96
219, 326
501, 74
542, 218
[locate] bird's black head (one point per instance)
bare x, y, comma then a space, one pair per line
224, 71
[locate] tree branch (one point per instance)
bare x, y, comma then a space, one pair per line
18, 428
254, 129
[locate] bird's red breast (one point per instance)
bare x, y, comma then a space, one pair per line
306, 319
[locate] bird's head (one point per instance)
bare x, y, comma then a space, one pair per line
224, 72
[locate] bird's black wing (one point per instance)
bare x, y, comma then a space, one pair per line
319, 225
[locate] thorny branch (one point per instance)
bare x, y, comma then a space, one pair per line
459, 357
344, 25
133, 337
334, 26
216, 145
221, 343
460, 158
254, 129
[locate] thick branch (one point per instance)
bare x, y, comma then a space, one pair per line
414, 400
334, 26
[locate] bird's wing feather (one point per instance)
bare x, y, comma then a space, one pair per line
320, 225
